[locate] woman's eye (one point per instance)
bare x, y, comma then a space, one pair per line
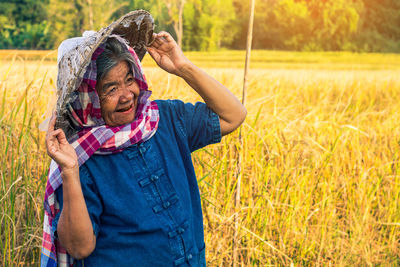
130, 79
111, 90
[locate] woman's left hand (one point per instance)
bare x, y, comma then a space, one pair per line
167, 54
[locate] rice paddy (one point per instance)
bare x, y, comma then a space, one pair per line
320, 157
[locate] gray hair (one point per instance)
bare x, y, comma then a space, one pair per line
114, 52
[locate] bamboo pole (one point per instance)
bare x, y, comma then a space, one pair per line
240, 150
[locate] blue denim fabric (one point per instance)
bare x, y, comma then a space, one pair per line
144, 202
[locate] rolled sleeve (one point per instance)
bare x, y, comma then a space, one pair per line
202, 125
196, 122
215, 123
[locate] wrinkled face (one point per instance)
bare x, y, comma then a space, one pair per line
118, 93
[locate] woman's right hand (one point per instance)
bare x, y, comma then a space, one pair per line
59, 149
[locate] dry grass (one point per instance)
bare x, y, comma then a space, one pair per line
260, 59
321, 181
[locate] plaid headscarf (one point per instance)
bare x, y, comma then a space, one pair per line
94, 137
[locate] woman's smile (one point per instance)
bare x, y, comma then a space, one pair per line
118, 93
126, 110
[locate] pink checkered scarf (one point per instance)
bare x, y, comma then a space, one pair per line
94, 138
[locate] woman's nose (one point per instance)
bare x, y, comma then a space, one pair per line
125, 94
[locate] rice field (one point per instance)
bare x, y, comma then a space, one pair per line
320, 158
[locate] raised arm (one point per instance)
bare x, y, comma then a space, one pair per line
75, 230
168, 55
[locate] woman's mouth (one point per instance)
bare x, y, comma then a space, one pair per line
126, 109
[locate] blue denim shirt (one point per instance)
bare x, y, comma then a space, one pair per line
144, 202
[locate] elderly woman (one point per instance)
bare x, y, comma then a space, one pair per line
134, 200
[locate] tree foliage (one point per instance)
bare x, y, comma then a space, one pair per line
24, 24
310, 25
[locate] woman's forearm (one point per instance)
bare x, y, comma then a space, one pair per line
75, 230
217, 97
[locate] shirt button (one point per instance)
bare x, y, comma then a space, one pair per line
154, 178
189, 256
166, 205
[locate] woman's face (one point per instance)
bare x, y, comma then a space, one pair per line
118, 93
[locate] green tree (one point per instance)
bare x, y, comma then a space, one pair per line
65, 20
334, 24
293, 18
300, 24
24, 24
379, 25
175, 12
267, 33
360, 25
72, 18
209, 24
7, 24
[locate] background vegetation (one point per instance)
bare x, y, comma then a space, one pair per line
307, 25
321, 161
321, 165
